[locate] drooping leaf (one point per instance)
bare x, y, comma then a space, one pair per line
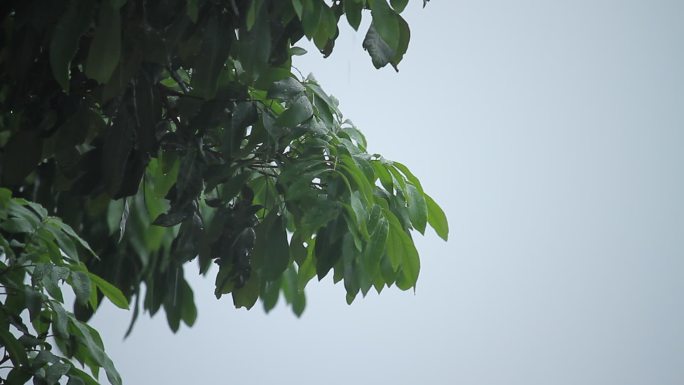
110, 291
399, 5
376, 245
299, 111
105, 48
119, 142
247, 295
286, 89
417, 208
71, 26
80, 283
21, 156
55, 371
352, 10
215, 49
16, 351
271, 253
386, 23
436, 218
381, 53
59, 321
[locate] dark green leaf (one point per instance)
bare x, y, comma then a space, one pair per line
286, 89
436, 218
399, 5
73, 380
64, 44
59, 321
417, 208
78, 377
404, 38
255, 45
65, 243
352, 9
271, 253
21, 154
80, 283
16, 225
69, 231
192, 9
298, 8
270, 293
386, 23
105, 48
170, 219
16, 351
376, 246
215, 49
119, 142
247, 295
299, 111
381, 53
55, 371
110, 291
187, 303
254, 7
34, 301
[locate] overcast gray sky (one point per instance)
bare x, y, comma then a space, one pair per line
551, 132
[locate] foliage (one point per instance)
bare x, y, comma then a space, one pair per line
166, 131
39, 253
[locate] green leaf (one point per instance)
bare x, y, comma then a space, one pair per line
110, 291
55, 371
215, 50
386, 23
402, 47
119, 142
417, 208
377, 243
286, 89
21, 155
59, 321
34, 302
396, 241
187, 303
105, 48
271, 254
16, 351
65, 243
299, 111
298, 8
78, 377
16, 225
270, 293
408, 174
254, 7
80, 283
192, 9
247, 295
255, 45
65, 38
69, 231
436, 218
73, 380
380, 52
399, 5
352, 10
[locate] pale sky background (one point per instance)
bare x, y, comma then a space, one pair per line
552, 134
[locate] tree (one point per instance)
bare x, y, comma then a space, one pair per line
140, 135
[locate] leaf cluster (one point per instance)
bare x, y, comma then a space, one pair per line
39, 254
168, 131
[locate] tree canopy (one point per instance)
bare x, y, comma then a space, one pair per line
139, 135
